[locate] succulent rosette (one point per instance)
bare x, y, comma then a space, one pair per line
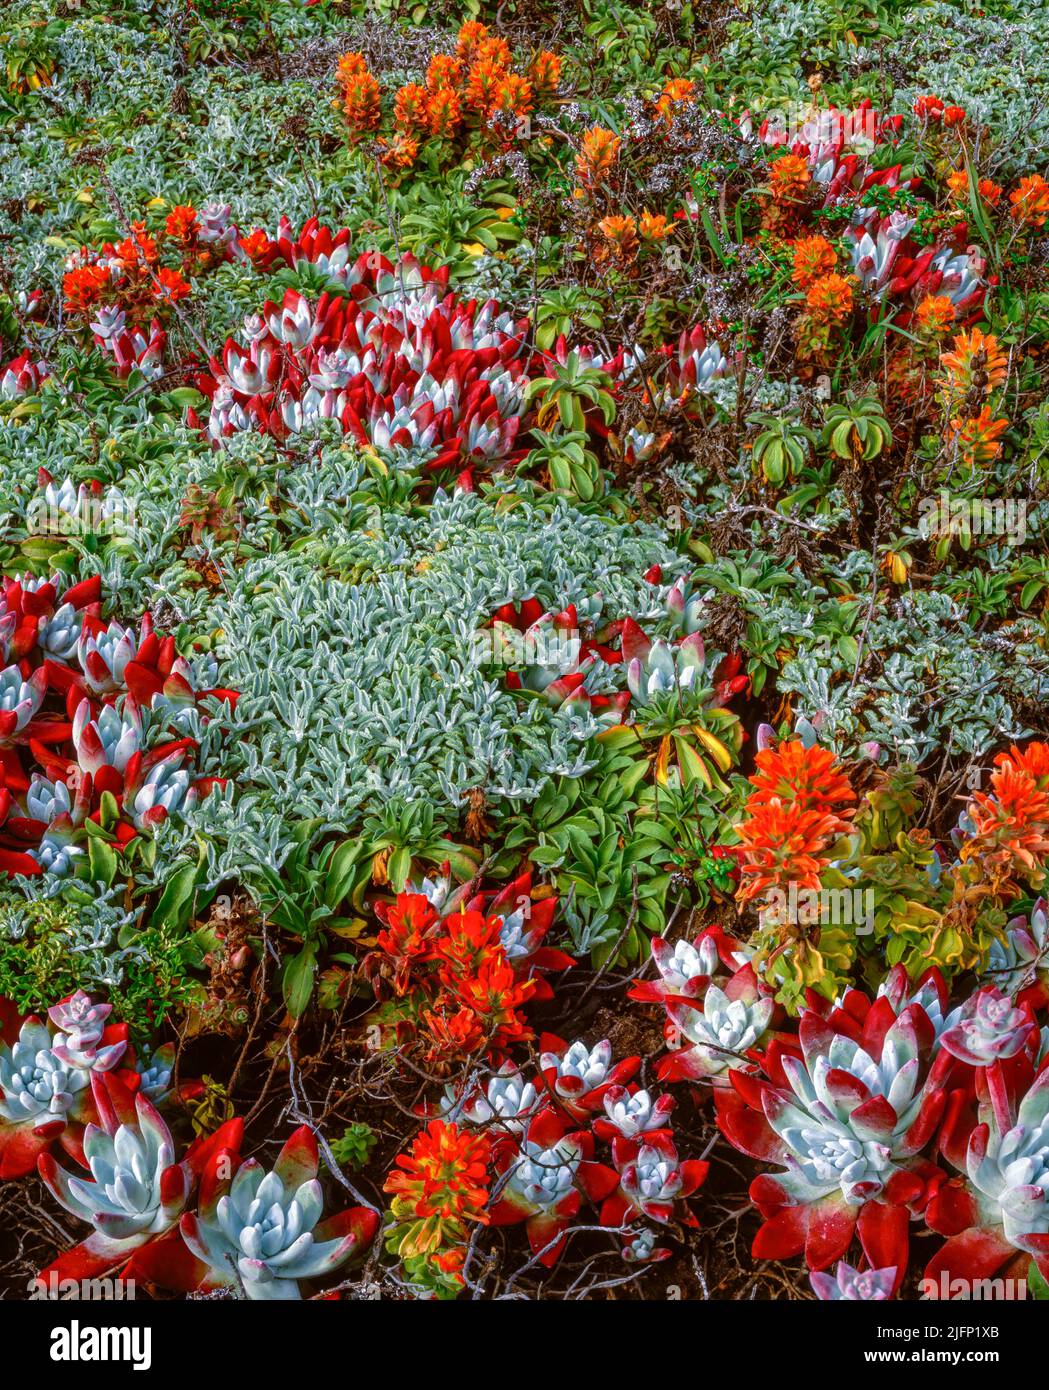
639, 1247
579, 1077
713, 1035
89, 718
853, 1285
692, 365
685, 968
504, 1105
45, 1079
988, 1028
544, 1180
653, 1181
631, 1113
847, 1119
657, 668
136, 1191
261, 1232
997, 1216
547, 655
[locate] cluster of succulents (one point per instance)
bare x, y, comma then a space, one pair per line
864, 1106
76, 1080
90, 715
395, 358
518, 1151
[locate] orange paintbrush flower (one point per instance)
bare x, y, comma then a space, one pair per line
481, 84
789, 179
545, 72
958, 185
934, 315
975, 362
409, 107
181, 224
829, 299
785, 844
597, 154
445, 1175
408, 935
798, 808
978, 438
444, 113
1012, 819
653, 226
172, 287
470, 37
620, 237
814, 256
1030, 201
84, 286
400, 151
495, 51
513, 94
990, 192
444, 71
677, 92
350, 65
138, 250
810, 777
362, 102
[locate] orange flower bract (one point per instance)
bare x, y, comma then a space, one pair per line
362, 103
1030, 201
814, 256
443, 71
1012, 819
444, 113
545, 72
653, 226
677, 92
470, 37
84, 286
978, 438
829, 299
495, 51
400, 151
789, 179
172, 287
975, 362
513, 94
598, 153
350, 65
620, 234
181, 223
934, 315
138, 250
409, 107
808, 776
444, 1175
481, 83
798, 808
